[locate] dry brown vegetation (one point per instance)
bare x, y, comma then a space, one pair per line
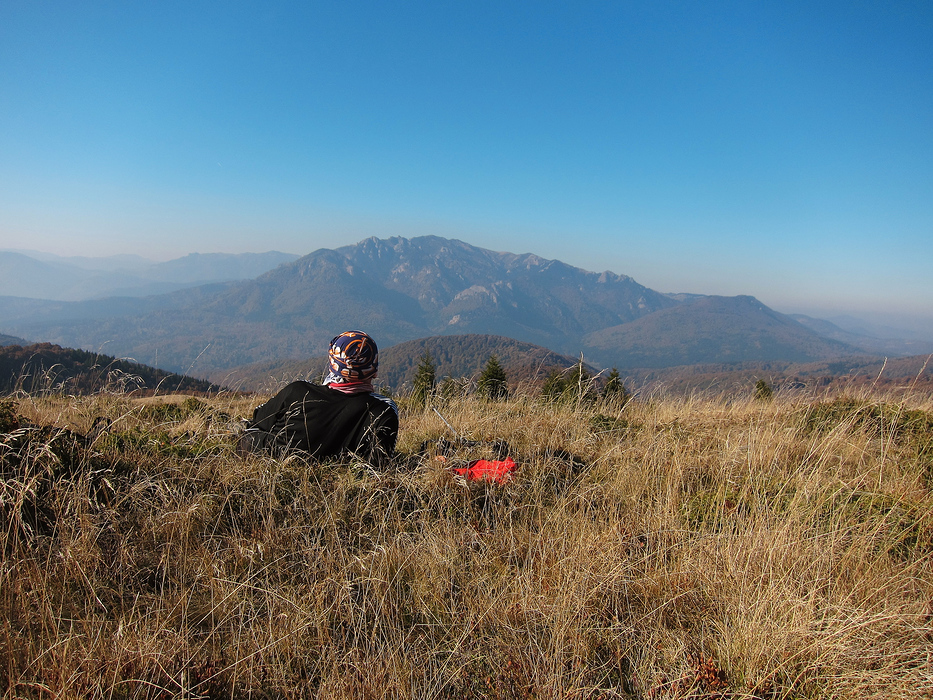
670, 548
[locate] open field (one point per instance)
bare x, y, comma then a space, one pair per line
671, 548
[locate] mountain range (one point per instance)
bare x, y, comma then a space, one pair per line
44, 276
708, 330
401, 289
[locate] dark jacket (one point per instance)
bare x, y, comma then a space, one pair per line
324, 423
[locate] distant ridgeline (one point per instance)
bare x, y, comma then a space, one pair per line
45, 368
12, 340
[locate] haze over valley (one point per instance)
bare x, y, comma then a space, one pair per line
400, 290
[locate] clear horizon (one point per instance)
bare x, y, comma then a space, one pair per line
779, 150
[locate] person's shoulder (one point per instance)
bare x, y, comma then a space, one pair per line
385, 400
298, 386
299, 391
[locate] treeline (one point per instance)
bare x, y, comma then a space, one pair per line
569, 385
466, 355
852, 373
454, 356
48, 368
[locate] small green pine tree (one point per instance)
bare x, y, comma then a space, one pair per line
493, 383
425, 380
578, 386
615, 390
553, 387
763, 390
449, 388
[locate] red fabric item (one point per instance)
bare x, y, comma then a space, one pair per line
500, 472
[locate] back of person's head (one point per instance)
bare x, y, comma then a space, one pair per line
353, 357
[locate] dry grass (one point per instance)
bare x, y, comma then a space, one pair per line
673, 548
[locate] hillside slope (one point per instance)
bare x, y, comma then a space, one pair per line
711, 330
12, 340
44, 367
399, 289
890, 346
454, 356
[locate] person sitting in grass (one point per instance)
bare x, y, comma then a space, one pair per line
343, 416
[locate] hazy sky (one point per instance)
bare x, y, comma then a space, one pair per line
779, 149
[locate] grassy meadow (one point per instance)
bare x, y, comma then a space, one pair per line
673, 547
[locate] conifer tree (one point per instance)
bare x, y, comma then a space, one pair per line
578, 387
493, 383
615, 390
553, 386
763, 391
425, 380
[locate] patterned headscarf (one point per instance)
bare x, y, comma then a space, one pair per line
353, 357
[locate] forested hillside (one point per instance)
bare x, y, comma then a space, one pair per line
454, 356
49, 368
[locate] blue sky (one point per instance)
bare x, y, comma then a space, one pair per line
779, 149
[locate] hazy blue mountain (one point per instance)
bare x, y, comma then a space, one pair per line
402, 289
12, 340
23, 276
711, 330
216, 267
888, 326
863, 338
82, 278
397, 289
109, 262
